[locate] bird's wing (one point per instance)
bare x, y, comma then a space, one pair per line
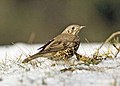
44, 46
53, 46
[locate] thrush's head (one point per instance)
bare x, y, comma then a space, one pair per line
73, 29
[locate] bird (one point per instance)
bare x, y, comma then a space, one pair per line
61, 47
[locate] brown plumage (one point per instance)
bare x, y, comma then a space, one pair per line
61, 47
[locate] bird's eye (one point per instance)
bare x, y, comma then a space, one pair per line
73, 28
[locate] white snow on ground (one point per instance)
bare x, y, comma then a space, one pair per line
14, 73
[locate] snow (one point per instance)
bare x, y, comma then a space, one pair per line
14, 73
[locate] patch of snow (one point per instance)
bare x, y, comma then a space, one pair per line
13, 73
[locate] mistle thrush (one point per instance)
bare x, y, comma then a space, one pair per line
61, 47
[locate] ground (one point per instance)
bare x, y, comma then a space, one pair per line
45, 72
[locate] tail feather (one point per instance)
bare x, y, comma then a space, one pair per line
31, 58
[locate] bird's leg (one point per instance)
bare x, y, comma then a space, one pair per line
82, 58
78, 56
66, 57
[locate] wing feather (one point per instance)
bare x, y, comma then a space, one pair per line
56, 45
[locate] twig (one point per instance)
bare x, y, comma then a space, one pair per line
118, 50
108, 39
31, 38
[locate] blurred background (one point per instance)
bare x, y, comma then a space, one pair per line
37, 21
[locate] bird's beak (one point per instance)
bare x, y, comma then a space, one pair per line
81, 27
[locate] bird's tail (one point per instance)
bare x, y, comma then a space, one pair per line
31, 57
